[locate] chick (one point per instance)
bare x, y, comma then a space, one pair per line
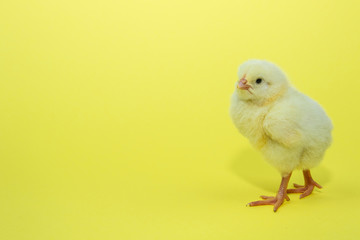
291, 130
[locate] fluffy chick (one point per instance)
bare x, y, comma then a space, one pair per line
291, 130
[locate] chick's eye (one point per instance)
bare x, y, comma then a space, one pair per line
258, 81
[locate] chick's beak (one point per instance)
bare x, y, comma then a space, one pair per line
242, 84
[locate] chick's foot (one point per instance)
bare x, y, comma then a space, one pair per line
306, 189
276, 201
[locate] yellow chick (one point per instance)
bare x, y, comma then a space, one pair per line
290, 129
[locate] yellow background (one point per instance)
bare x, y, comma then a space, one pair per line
114, 118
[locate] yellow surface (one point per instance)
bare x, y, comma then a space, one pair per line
114, 119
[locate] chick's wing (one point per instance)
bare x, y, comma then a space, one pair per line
281, 125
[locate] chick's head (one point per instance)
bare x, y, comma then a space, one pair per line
260, 80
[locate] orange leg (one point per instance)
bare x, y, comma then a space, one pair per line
278, 200
307, 189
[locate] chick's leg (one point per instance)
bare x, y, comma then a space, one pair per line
278, 200
307, 189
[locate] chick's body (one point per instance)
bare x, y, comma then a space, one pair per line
291, 130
